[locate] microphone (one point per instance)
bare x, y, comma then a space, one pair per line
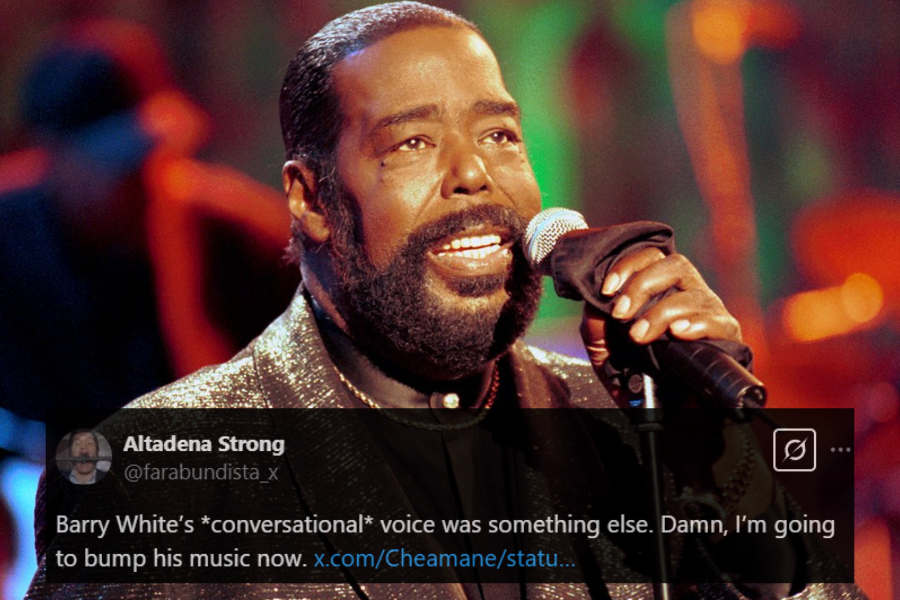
558, 243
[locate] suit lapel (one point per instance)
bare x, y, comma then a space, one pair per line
292, 365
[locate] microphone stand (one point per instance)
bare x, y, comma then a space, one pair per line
649, 428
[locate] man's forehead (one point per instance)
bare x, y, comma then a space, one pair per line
413, 70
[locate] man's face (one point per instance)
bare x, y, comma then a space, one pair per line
429, 129
83, 445
431, 153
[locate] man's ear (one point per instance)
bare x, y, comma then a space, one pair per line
301, 189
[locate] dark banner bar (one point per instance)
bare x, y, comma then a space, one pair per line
319, 496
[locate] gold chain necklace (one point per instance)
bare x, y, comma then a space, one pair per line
391, 413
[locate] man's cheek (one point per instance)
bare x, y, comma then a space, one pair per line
516, 180
382, 236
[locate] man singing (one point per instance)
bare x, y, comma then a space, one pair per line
410, 188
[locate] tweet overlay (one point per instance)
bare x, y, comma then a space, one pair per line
519, 496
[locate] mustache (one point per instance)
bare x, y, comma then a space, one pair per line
427, 235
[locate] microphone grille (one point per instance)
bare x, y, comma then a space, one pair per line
545, 229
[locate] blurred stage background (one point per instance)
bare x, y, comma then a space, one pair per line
767, 132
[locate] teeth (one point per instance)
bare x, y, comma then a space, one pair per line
476, 253
486, 242
474, 247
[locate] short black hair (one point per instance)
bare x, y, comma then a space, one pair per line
309, 106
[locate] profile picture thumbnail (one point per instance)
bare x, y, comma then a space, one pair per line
83, 456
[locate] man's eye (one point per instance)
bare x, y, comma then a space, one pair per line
413, 144
502, 137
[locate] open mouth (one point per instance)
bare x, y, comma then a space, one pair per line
473, 253
473, 246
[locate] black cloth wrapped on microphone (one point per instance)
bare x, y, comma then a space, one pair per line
714, 370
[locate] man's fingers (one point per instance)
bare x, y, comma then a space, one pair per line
593, 334
672, 271
718, 327
691, 311
687, 326
688, 315
628, 266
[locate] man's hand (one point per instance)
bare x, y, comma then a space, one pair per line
692, 312
700, 447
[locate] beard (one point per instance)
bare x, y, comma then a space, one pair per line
391, 313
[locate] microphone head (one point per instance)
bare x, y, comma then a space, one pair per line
544, 231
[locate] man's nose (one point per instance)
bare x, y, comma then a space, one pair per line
467, 174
